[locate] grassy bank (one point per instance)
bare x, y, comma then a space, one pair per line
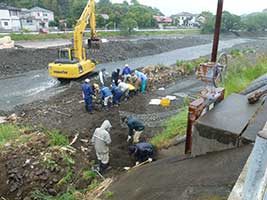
8, 133
242, 72
26, 36
174, 126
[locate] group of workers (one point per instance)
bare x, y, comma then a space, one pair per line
118, 89
141, 151
121, 87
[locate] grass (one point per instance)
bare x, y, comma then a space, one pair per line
70, 195
190, 66
67, 178
242, 73
57, 139
26, 36
174, 126
88, 174
8, 132
108, 194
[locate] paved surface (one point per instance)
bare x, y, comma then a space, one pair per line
256, 124
231, 115
189, 179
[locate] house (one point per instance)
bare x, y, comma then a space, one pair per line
9, 18
185, 19
163, 21
35, 18
16, 19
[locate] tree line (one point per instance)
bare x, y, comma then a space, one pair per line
231, 22
120, 15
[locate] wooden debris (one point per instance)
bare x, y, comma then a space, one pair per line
93, 195
74, 139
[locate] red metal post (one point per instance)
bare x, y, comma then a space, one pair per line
217, 31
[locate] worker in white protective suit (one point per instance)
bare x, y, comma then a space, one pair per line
101, 140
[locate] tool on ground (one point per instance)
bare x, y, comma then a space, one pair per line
73, 62
209, 97
96, 170
138, 165
256, 95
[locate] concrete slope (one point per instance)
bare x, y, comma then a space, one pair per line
183, 179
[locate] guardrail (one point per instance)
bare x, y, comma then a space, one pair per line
252, 182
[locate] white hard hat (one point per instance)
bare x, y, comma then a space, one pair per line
126, 65
87, 80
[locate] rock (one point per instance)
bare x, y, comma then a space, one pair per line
52, 192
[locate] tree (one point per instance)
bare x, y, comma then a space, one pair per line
52, 24
104, 3
135, 2
230, 22
207, 26
256, 22
128, 24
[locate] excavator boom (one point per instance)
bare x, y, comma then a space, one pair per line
72, 62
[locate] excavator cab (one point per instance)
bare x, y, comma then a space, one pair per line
66, 56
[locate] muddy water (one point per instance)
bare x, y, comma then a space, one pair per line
37, 85
28, 87
169, 58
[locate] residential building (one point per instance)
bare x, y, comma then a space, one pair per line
35, 18
9, 18
185, 19
163, 21
42, 15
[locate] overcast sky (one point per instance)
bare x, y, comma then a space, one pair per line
169, 7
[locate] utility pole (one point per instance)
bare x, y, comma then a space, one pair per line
217, 31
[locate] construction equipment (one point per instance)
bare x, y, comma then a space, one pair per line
72, 62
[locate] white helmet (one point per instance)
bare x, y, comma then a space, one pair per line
87, 80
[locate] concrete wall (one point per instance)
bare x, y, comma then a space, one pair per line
252, 182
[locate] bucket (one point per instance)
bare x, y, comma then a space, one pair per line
164, 102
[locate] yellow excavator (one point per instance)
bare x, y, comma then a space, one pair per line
72, 62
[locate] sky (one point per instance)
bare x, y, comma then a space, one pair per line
169, 7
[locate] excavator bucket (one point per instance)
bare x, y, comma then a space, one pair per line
94, 43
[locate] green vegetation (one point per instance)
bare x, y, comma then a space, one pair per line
190, 66
25, 36
70, 195
48, 161
108, 195
67, 178
70, 11
8, 132
174, 126
57, 139
241, 73
231, 22
89, 174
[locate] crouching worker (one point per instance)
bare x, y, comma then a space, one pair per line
136, 127
142, 152
117, 94
106, 96
101, 140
